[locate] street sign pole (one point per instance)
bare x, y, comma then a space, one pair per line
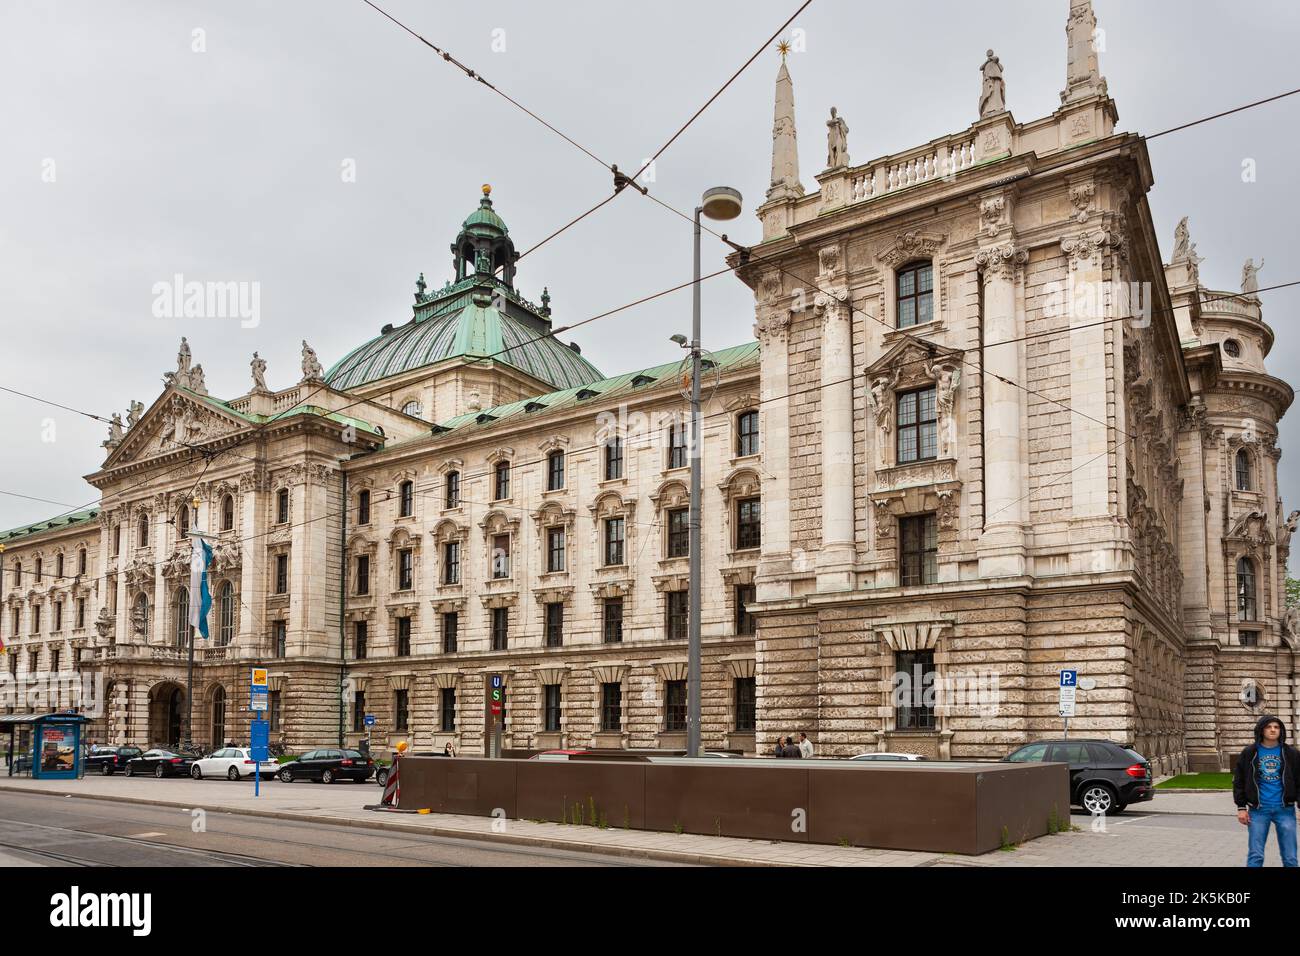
1068, 683
259, 731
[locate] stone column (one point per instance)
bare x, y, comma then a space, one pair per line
159, 540
835, 560
772, 582
1090, 462
250, 604
1002, 545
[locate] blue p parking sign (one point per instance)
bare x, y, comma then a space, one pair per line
1069, 678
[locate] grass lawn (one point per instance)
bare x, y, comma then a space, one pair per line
1198, 781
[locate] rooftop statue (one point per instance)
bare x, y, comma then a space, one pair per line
993, 96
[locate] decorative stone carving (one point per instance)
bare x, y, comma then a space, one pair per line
1001, 262
115, 433
1249, 277
105, 624
133, 413
1081, 196
993, 94
913, 244
257, 367
772, 331
312, 371
992, 211
837, 141
1085, 248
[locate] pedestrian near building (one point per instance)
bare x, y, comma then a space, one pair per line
779, 749
805, 746
1265, 782
791, 749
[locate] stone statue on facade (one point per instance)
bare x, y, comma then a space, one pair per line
947, 378
837, 141
114, 432
183, 358
1183, 248
475, 403
1291, 621
133, 413
993, 96
1249, 274
311, 367
140, 619
1285, 532
104, 623
197, 384
482, 263
258, 368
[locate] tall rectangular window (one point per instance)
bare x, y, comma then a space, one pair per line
611, 706
359, 712
273, 709
612, 620
405, 570
81, 561
915, 294
406, 499
551, 707
281, 574
36, 619
363, 574
919, 550
501, 556
450, 632
918, 436
555, 471
282, 506
745, 623
401, 710
747, 433
360, 634
501, 482
81, 612
280, 637
363, 507
674, 705
451, 562
58, 616
677, 617
58, 566
453, 489
679, 533
614, 531
555, 624
554, 549
911, 711
677, 445
614, 458
403, 637
447, 710
500, 628
746, 705
749, 526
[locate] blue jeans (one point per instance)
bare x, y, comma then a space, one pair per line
1281, 817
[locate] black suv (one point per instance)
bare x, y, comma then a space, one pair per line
1104, 777
107, 760
328, 766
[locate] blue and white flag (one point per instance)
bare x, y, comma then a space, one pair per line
200, 596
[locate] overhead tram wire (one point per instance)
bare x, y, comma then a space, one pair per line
66, 408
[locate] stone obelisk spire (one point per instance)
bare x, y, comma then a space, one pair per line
785, 148
1082, 74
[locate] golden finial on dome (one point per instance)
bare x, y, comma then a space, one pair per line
487, 189
783, 47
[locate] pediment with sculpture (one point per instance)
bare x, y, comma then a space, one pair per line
174, 422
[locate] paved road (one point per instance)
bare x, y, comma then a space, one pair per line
70, 831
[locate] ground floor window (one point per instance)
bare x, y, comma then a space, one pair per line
551, 708
401, 710
674, 705
448, 710
746, 705
914, 675
611, 706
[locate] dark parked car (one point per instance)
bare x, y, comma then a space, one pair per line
160, 763
1104, 776
328, 766
109, 760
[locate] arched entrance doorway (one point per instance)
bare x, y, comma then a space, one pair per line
166, 714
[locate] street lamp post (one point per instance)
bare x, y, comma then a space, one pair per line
720, 202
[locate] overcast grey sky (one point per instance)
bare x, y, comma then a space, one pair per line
227, 165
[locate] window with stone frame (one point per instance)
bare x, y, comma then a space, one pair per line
38, 569
676, 614
81, 561
363, 506
674, 705
226, 613
363, 574
1247, 608
500, 628
614, 541
117, 539
500, 556
1248, 638
613, 458
281, 574
918, 426
611, 706
746, 623
181, 627
914, 674
282, 506
228, 513
749, 525
677, 445
611, 611
551, 708
447, 710
142, 532
914, 284
279, 638
501, 481
452, 497
746, 695
679, 533
918, 545
405, 570
360, 636
450, 632
273, 710
404, 637
555, 471
81, 613
554, 549
401, 710
1243, 470
183, 521
142, 601
747, 433
451, 562
1232, 348
58, 565
58, 616
406, 499
359, 712
555, 624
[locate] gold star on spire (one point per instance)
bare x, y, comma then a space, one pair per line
784, 47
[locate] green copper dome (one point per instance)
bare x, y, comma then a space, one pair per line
484, 219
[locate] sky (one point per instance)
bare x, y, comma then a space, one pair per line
312, 148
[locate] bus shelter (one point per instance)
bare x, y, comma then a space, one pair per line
46, 746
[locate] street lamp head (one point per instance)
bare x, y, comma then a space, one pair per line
721, 202
679, 339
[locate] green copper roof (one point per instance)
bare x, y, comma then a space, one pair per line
485, 218
63, 521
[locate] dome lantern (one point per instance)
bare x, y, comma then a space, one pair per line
483, 246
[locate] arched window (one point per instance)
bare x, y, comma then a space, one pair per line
915, 285
142, 531
747, 433
228, 513
140, 615
411, 408
183, 521
1246, 606
1233, 348
218, 717
182, 618
226, 610
1243, 470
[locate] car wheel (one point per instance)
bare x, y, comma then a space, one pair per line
105, 770
1098, 798
327, 776
381, 778
286, 775
196, 772
158, 771
129, 771
232, 773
